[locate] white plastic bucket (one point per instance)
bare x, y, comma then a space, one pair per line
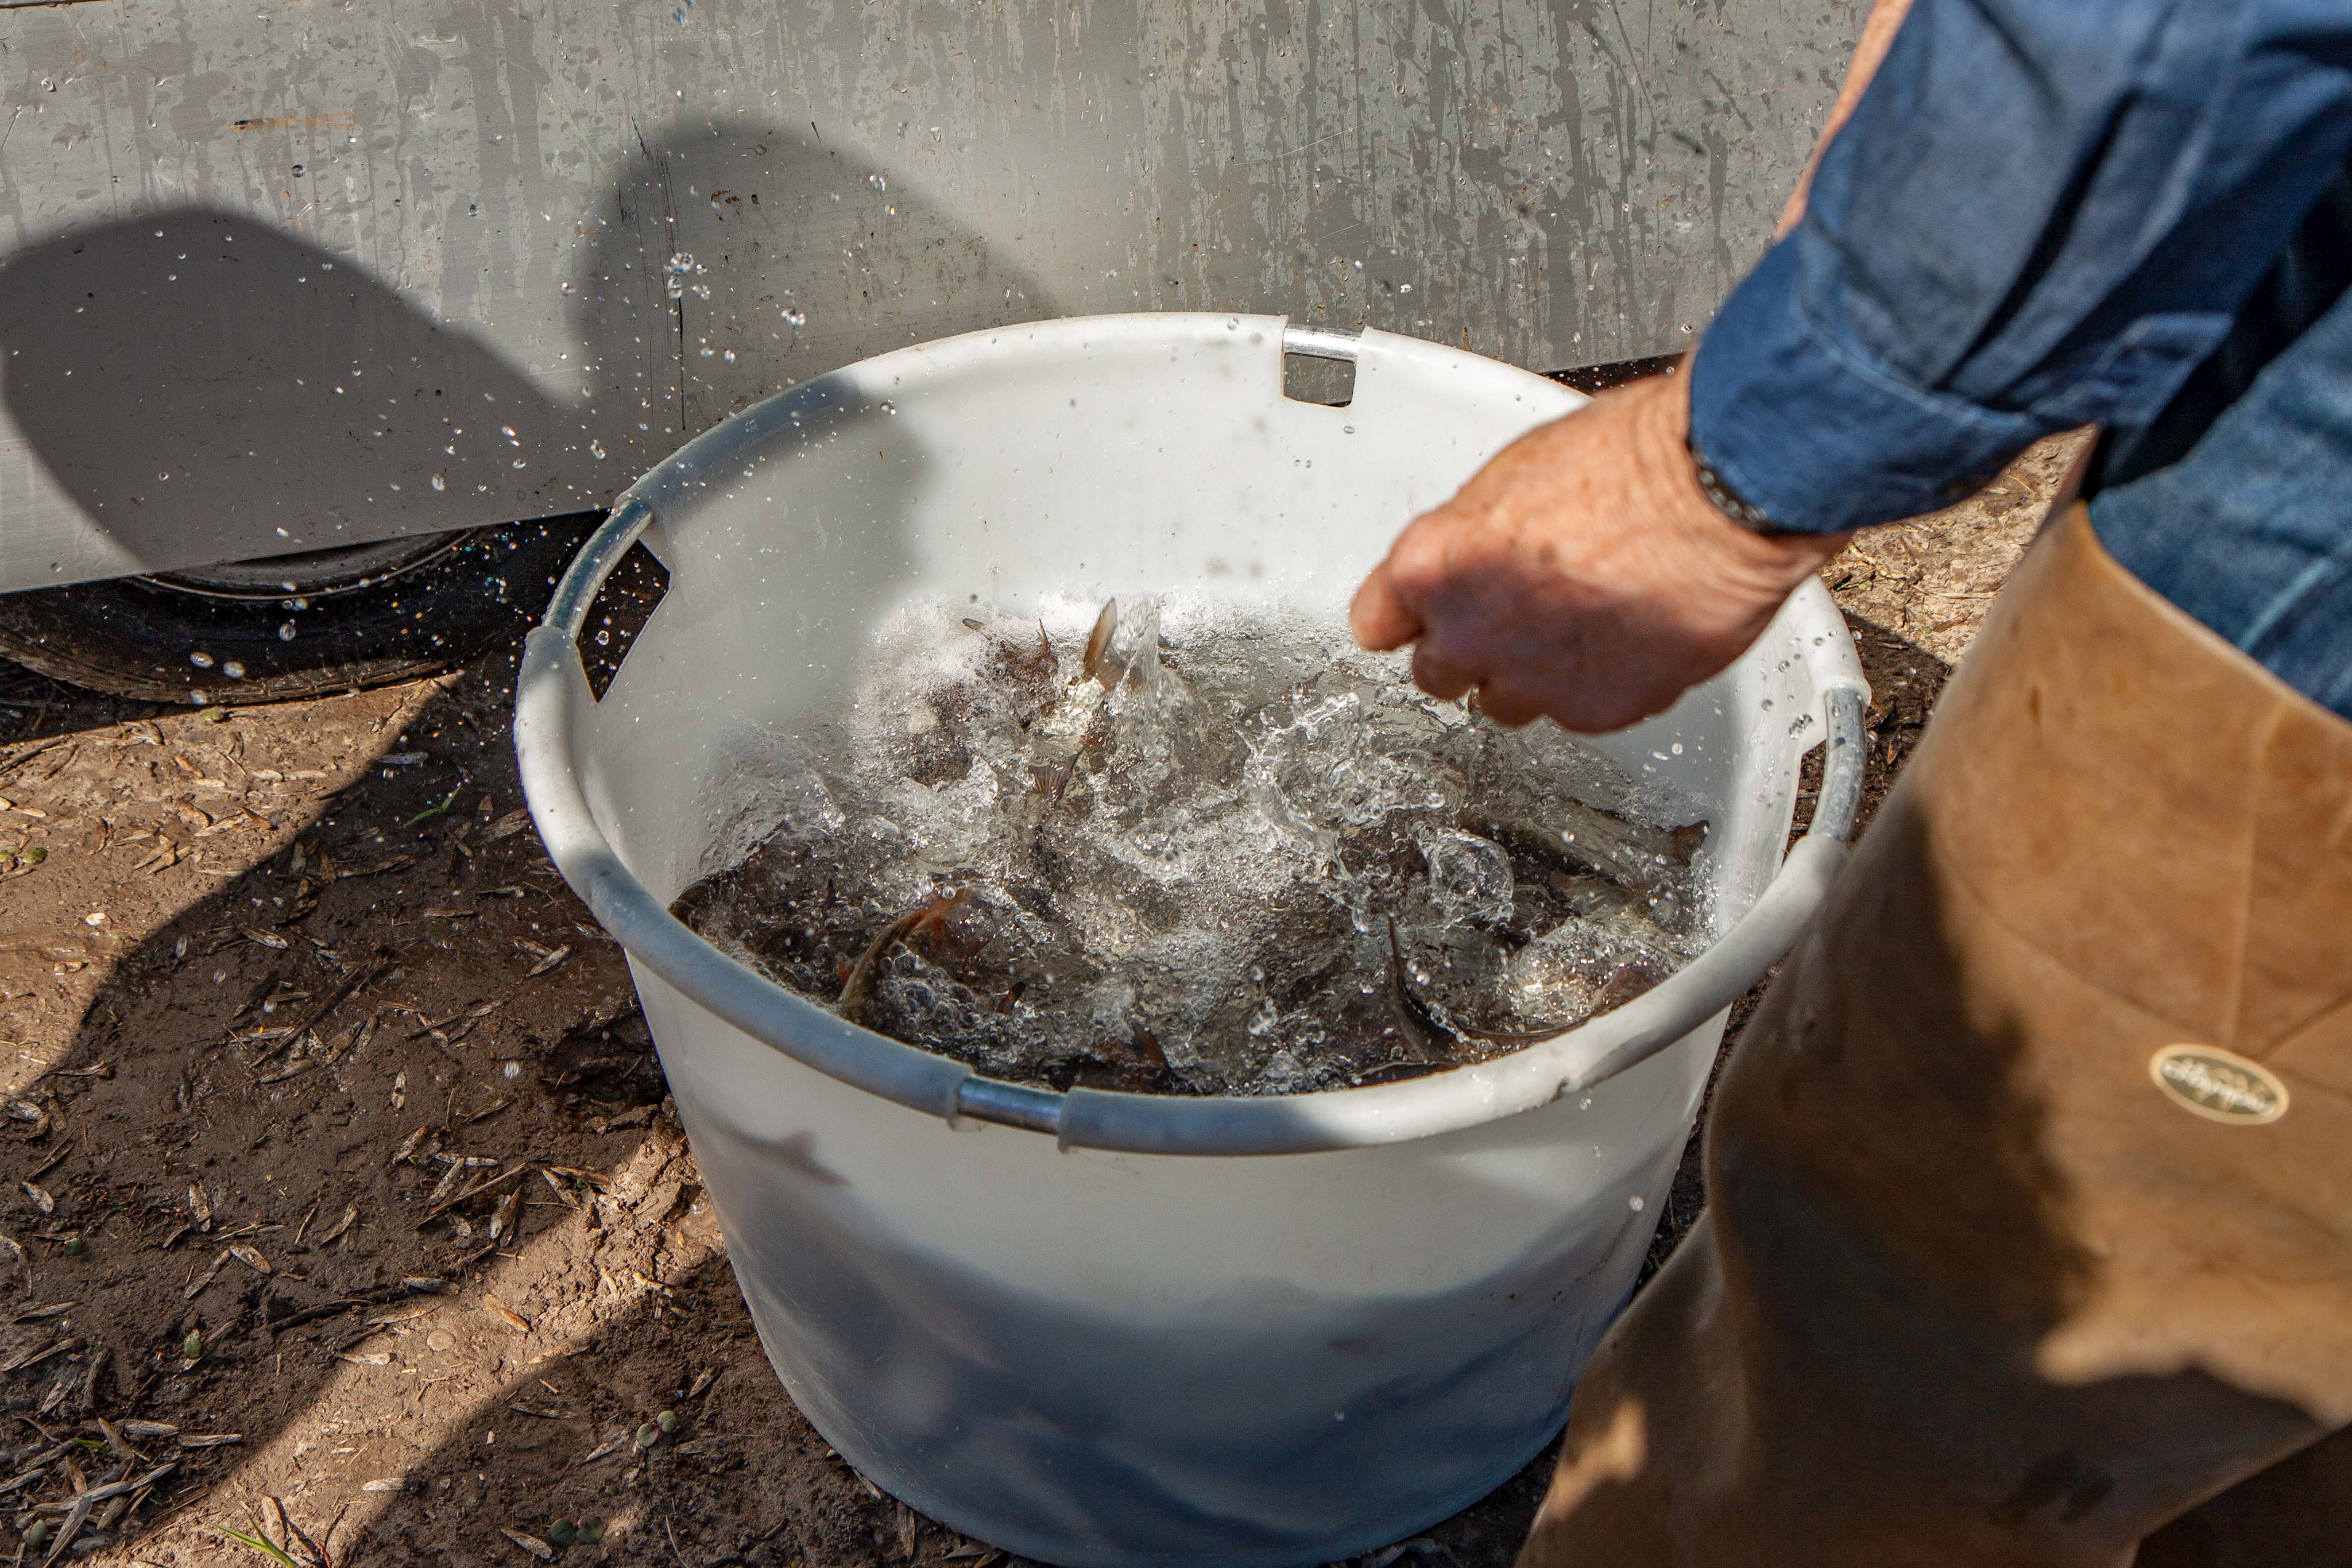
1101, 1328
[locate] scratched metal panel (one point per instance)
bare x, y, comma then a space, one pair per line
328, 272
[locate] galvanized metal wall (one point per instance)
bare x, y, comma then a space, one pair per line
282, 278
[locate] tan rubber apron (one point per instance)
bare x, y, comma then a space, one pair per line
2030, 1227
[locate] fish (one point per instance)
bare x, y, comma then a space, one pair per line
857, 990
1434, 1022
1100, 664
1633, 856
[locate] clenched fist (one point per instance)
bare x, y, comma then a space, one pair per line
1582, 574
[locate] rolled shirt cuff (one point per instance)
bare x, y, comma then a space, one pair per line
1811, 432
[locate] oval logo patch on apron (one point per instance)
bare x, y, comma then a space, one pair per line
2219, 1085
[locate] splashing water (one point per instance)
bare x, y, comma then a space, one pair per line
1190, 850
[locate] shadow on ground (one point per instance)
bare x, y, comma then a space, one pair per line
360, 1157
38, 712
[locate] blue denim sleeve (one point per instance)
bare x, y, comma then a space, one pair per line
2042, 213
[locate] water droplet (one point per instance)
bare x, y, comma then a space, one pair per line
597, 447
878, 182
889, 408
201, 659
795, 317
1635, 1203
440, 481
286, 631
233, 670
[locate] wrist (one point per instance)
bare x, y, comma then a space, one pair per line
1723, 499
1772, 560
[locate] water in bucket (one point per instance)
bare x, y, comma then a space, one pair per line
1183, 849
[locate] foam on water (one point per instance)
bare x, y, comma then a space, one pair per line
1241, 856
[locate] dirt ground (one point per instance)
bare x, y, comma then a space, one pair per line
340, 1205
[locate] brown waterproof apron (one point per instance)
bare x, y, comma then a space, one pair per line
2030, 1227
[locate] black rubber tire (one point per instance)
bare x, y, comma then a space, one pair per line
142, 637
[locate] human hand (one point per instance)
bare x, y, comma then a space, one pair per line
1582, 574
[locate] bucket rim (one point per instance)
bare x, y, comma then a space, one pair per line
554, 683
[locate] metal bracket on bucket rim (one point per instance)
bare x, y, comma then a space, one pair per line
553, 686
1322, 343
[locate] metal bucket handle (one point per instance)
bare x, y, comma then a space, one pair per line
553, 681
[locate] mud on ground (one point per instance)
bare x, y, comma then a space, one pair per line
341, 1206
